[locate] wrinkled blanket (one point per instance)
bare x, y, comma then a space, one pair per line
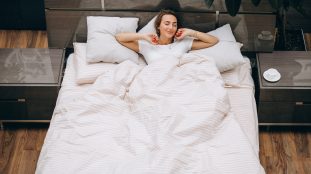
171, 116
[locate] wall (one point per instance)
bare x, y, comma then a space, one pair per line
22, 14
297, 20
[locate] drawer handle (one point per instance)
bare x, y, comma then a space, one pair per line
299, 103
21, 100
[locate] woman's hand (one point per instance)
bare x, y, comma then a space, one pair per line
183, 32
151, 38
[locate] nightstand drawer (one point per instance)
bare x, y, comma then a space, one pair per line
13, 109
12, 92
284, 112
288, 95
41, 109
27, 109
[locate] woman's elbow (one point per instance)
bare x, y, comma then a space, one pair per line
215, 40
118, 37
121, 37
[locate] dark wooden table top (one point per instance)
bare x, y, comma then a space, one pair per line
294, 67
30, 65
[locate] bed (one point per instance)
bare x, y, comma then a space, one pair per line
185, 115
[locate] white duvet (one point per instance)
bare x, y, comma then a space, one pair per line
171, 116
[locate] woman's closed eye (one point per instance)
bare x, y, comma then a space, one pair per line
168, 24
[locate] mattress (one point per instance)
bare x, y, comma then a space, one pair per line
241, 96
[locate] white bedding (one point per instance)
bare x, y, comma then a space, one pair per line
169, 117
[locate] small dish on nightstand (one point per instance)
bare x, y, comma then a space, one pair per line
265, 35
272, 75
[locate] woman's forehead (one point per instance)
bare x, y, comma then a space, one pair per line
169, 17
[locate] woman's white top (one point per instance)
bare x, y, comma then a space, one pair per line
153, 53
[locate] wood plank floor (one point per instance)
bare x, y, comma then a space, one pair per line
283, 150
23, 39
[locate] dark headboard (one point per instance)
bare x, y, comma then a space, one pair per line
199, 21
66, 20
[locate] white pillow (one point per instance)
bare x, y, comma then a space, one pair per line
101, 42
227, 55
223, 33
149, 27
238, 75
87, 73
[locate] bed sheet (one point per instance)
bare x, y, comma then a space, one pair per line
241, 98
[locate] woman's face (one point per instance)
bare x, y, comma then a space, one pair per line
168, 26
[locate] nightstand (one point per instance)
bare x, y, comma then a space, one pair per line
287, 101
30, 79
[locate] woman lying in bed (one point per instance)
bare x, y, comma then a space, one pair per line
170, 39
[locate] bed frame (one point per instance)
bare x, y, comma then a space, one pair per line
66, 21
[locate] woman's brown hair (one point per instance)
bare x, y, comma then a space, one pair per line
158, 20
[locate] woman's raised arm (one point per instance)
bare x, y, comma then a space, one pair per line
202, 40
130, 40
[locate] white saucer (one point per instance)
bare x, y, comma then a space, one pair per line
272, 75
262, 37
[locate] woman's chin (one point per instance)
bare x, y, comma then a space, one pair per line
170, 36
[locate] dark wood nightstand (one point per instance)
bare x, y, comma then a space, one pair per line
30, 79
287, 101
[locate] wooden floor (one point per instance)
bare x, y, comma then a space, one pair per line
23, 39
283, 150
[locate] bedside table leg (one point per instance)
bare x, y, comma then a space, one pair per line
1, 125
